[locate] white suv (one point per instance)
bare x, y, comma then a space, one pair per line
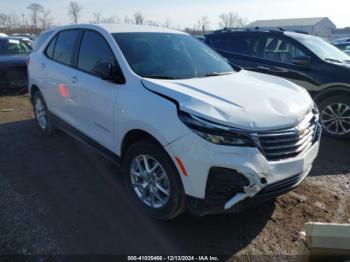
190, 130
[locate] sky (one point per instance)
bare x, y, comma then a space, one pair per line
185, 13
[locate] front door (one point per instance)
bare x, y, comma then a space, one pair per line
96, 98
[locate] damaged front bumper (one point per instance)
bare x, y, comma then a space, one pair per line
253, 195
255, 185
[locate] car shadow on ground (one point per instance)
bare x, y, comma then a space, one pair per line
13, 91
79, 197
333, 157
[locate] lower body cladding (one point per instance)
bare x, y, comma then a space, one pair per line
228, 179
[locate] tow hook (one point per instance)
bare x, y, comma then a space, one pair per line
255, 185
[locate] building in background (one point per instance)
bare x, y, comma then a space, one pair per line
319, 26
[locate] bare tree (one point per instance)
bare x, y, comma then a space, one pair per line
139, 19
111, 20
203, 24
167, 23
151, 23
46, 19
232, 19
97, 18
4, 20
35, 10
13, 20
24, 21
128, 20
74, 11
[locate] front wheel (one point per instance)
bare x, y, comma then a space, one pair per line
153, 180
335, 116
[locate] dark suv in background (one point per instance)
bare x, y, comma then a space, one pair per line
306, 60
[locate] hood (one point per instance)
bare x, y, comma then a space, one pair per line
244, 100
13, 60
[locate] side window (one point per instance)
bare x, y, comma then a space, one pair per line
344, 47
51, 47
65, 46
207, 41
281, 50
94, 49
242, 44
218, 42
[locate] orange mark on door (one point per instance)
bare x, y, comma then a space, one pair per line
64, 91
181, 166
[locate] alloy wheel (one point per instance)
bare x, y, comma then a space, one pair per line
40, 113
149, 181
335, 119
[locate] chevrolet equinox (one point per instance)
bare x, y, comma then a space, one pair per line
190, 130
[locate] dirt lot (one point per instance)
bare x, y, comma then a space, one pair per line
58, 197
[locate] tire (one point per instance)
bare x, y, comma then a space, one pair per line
42, 115
335, 116
174, 203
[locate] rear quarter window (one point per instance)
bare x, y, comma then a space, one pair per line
242, 44
41, 39
51, 47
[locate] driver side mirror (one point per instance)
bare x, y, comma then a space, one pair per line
302, 60
108, 72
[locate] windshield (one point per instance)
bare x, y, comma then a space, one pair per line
322, 49
13, 47
170, 56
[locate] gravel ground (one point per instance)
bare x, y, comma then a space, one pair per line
58, 197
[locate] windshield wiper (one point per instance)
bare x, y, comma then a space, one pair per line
216, 74
160, 77
333, 60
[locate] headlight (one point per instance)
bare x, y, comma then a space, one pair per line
215, 133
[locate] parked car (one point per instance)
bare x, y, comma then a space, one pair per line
13, 66
30, 36
345, 47
189, 130
306, 60
341, 40
25, 40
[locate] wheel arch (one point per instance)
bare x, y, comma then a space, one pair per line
331, 91
33, 89
132, 137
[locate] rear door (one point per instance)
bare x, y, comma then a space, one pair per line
277, 56
94, 107
240, 48
56, 68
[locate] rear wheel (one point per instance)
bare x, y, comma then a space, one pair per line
153, 181
335, 116
41, 113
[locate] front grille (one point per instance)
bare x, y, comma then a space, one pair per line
288, 143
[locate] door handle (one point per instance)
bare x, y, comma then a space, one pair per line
74, 79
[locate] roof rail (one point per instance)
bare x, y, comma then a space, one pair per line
279, 30
300, 32
270, 29
231, 29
